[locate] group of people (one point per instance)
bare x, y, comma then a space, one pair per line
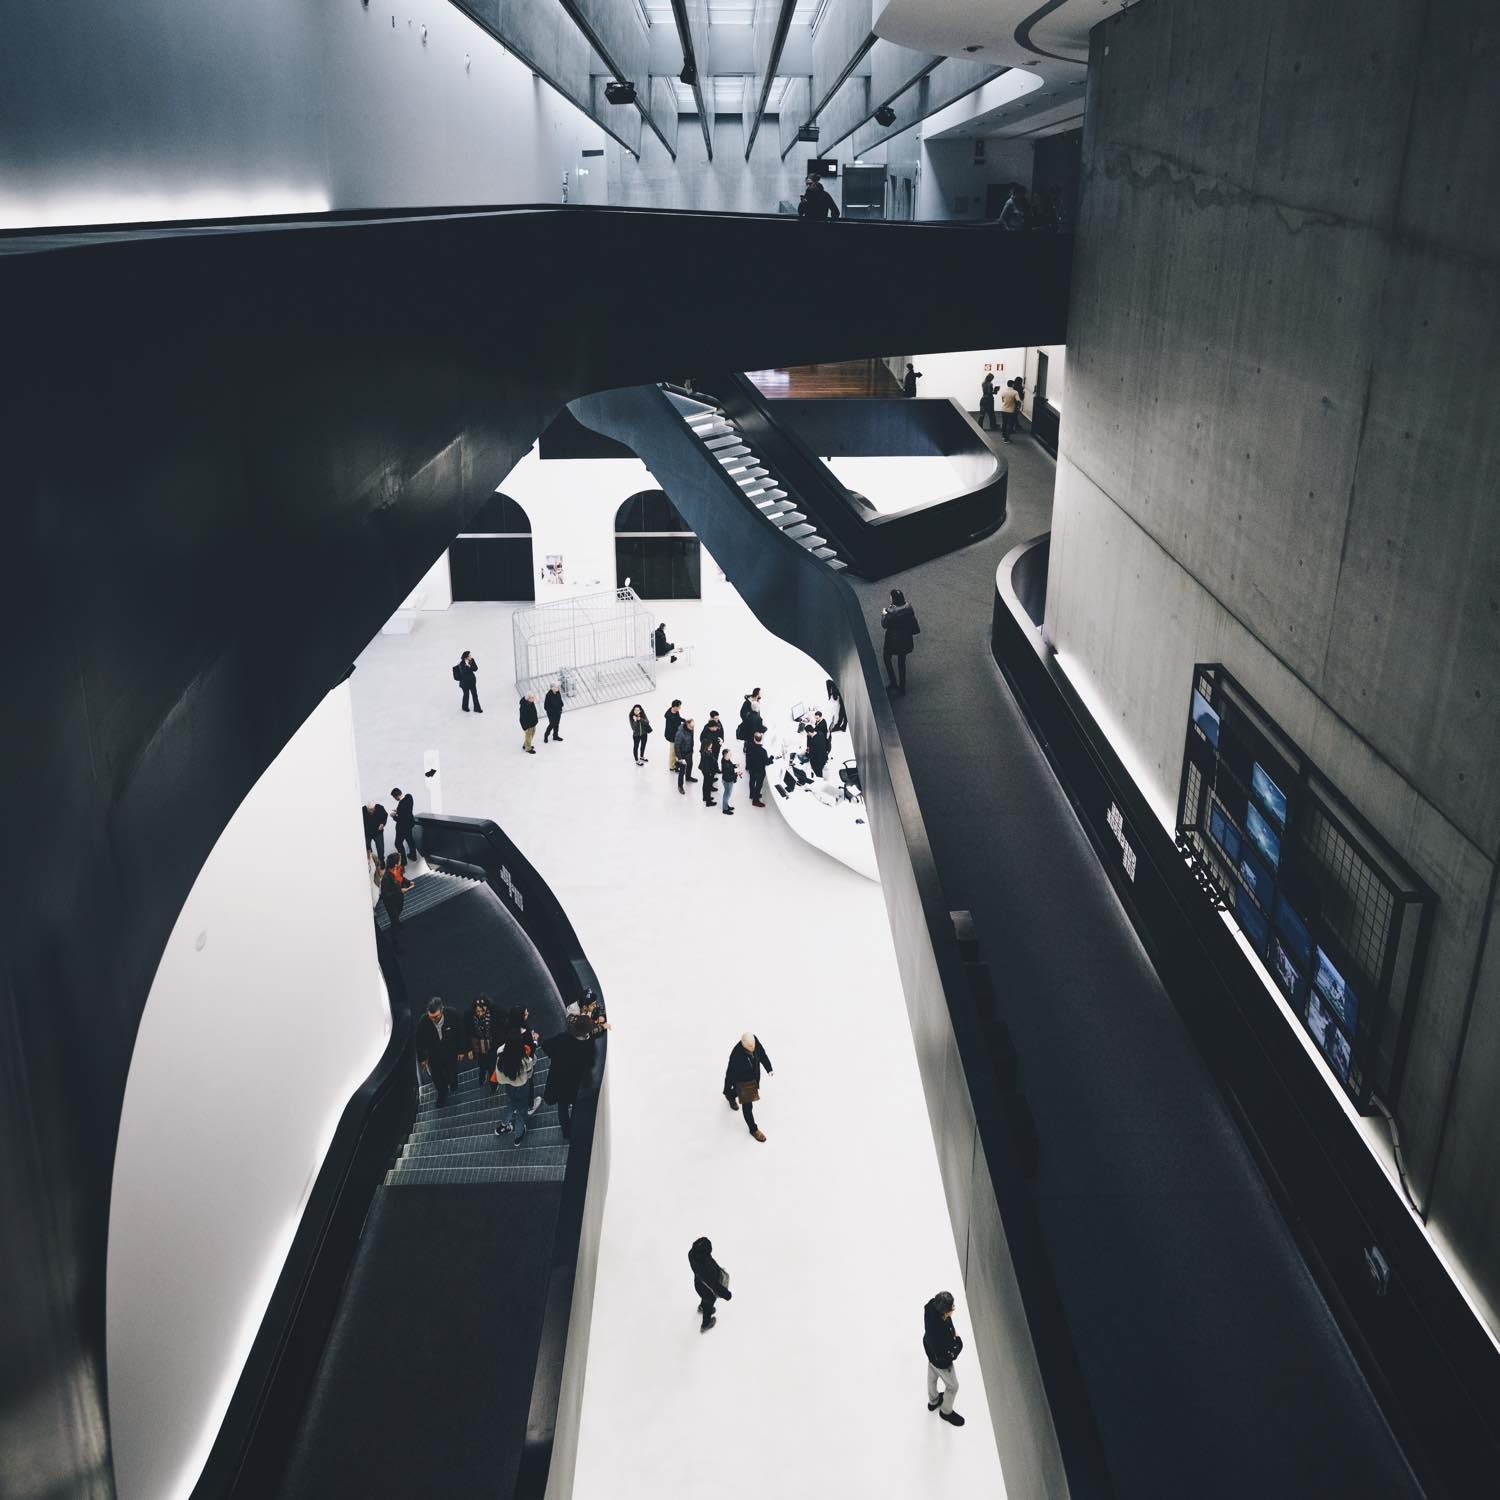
505, 1051
466, 675
708, 749
388, 871
1010, 403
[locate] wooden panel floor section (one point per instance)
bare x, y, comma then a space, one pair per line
854, 377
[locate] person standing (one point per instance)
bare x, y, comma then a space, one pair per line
374, 815
479, 1034
987, 401
439, 1041
393, 888
1010, 403
513, 1067
742, 1078
708, 765
817, 742
816, 201
710, 1280
1013, 215
909, 381
528, 722
466, 675
731, 774
671, 722
835, 697
406, 823
519, 1019
552, 705
684, 742
899, 621
757, 758
750, 719
942, 1345
640, 727
572, 1055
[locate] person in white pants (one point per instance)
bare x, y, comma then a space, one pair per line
942, 1345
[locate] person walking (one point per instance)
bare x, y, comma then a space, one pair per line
909, 381
684, 742
393, 888
519, 1019
942, 1345
987, 401
1010, 404
552, 706
742, 1078
439, 1041
466, 675
479, 1034
899, 621
757, 759
572, 1054
640, 728
816, 201
710, 1280
528, 722
731, 773
671, 722
374, 816
708, 765
513, 1067
1013, 214
406, 822
817, 742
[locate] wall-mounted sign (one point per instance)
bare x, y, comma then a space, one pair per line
1116, 820
510, 885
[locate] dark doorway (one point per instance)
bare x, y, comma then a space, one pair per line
491, 561
656, 549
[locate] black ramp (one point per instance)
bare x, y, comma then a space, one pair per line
1214, 1366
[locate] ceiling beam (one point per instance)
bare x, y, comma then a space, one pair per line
692, 17
767, 74
581, 13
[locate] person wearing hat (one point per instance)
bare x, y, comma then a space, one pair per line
710, 1280
742, 1079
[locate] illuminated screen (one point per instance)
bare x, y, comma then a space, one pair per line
1269, 795
1257, 878
1294, 931
1223, 832
1336, 994
1252, 923
1263, 836
1206, 719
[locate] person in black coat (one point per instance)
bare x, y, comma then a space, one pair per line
816, 202
750, 719
942, 1345
552, 705
374, 816
393, 889
466, 674
899, 621
572, 1055
742, 1078
684, 742
817, 742
406, 822
909, 381
664, 647
528, 722
730, 771
710, 1280
987, 401
757, 758
640, 728
440, 1039
708, 764
671, 722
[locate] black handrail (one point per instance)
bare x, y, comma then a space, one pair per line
466, 845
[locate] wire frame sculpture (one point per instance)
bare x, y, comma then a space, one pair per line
596, 647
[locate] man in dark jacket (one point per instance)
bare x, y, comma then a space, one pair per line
909, 381
393, 889
572, 1055
899, 621
942, 1345
553, 705
406, 822
817, 742
671, 722
750, 719
710, 1280
757, 758
742, 1078
816, 202
684, 742
528, 722
440, 1038
710, 741
466, 674
374, 816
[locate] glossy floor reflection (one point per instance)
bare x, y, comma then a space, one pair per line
835, 1231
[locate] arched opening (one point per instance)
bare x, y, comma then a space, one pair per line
656, 549
491, 559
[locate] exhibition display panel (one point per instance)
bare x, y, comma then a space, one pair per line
1339, 920
596, 647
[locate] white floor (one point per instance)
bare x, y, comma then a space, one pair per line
835, 1232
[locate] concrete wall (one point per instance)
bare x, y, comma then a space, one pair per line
1279, 452
950, 176
174, 109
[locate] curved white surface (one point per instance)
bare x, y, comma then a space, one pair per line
818, 813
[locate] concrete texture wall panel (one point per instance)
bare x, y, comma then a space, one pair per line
846, 26
1278, 451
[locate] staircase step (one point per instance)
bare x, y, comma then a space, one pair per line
535, 1156
468, 1079
788, 518
775, 507
690, 406
837, 565
801, 529
730, 454
477, 1125
482, 1138
824, 552
512, 1171
813, 542
718, 444
459, 1107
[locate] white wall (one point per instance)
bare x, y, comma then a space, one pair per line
1056, 375
267, 1011
960, 374
177, 108
950, 173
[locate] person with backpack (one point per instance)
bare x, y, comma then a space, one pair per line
942, 1345
710, 1280
513, 1068
899, 621
466, 675
528, 722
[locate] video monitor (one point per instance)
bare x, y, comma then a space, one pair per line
1284, 970
1223, 832
1340, 999
1263, 836
1319, 1022
1205, 718
1294, 933
1252, 922
1270, 796
1338, 1052
1257, 878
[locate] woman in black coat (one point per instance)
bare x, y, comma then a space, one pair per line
640, 727
572, 1064
899, 621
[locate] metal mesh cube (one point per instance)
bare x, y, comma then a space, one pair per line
596, 647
